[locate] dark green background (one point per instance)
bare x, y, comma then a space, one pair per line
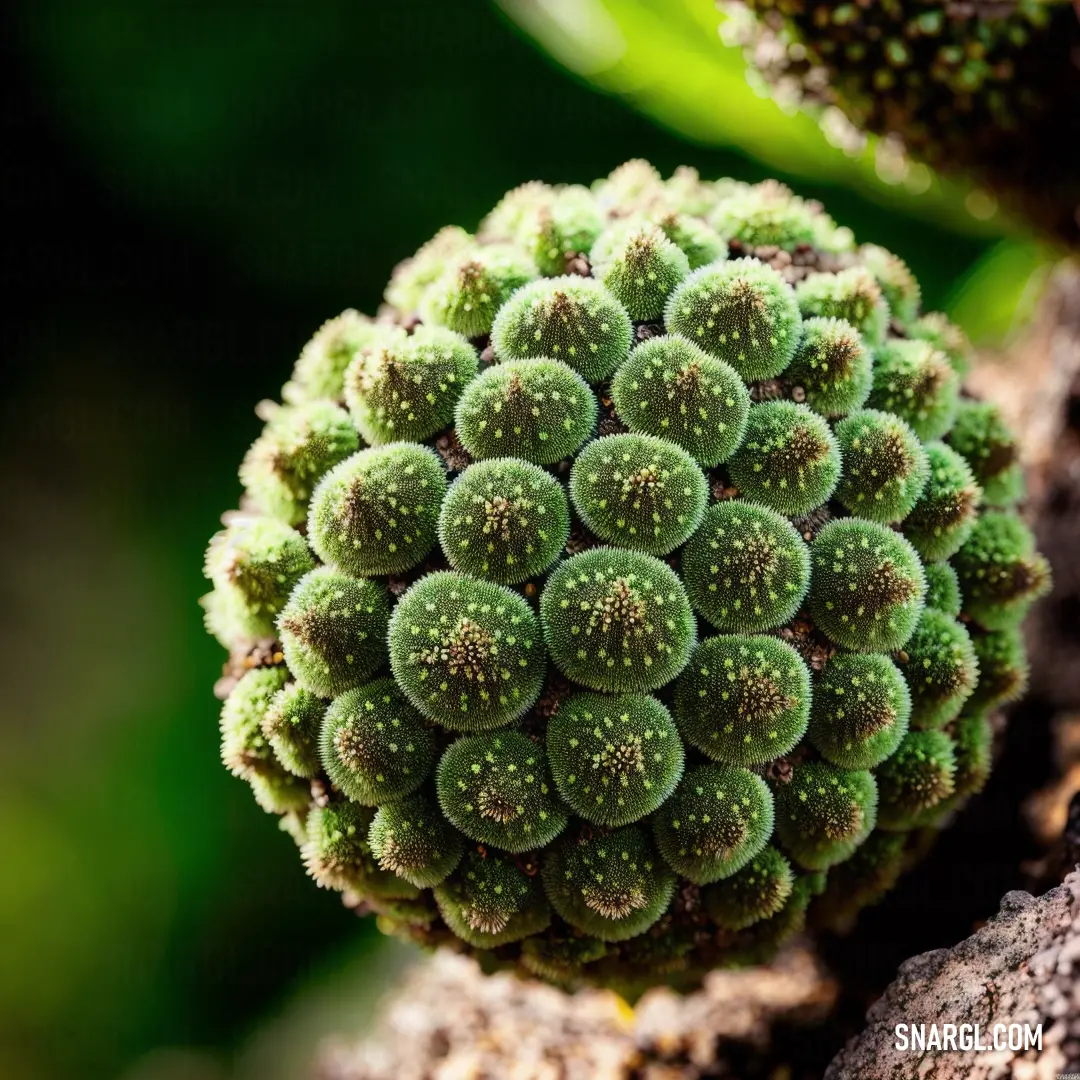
188, 190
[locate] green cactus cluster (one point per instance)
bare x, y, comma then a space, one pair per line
627, 589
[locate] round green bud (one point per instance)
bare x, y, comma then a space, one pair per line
685, 190
291, 725
755, 892
412, 839
406, 390
560, 960
742, 312
298, 445
746, 569
505, 520
617, 620
1001, 575
671, 388
743, 700
824, 812
377, 512
832, 365
245, 750
939, 665
864, 878
333, 631
916, 779
467, 653
538, 410
254, 564
413, 278
945, 512
632, 184
860, 711
700, 243
337, 854
789, 460
614, 759
639, 266
885, 466
320, 370
946, 336
638, 491
473, 288
1003, 668
511, 213
917, 382
973, 737
613, 885
717, 820
897, 282
496, 788
942, 588
767, 214
374, 745
572, 319
867, 585
981, 436
559, 228
852, 295
278, 791
490, 901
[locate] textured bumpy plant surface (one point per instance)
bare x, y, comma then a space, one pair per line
983, 86
637, 577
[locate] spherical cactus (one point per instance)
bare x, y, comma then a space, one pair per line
504, 519
463, 597
671, 388
639, 492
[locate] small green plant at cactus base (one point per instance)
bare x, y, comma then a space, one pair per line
626, 587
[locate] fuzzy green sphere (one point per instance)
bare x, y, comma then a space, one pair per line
505, 520
898, 283
640, 267
671, 388
885, 466
412, 839
614, 759
917, 382
746, 568
245, 749
867, 585
852, 295
560, 960
832, 366
613, 885
374, 746
333, 631
537, 410
319, 373
1003, 667
860, 711
572, 319
291, 724
824, 812
981, 436
413, 278
942, 588
973, 737
298, 445
699, 242
1001, 575
490, 901
718, 819
939, 665
617, 620
497, 789
767, 215
945, 512
916, 780
558, 227
743, 700
280, 792
946, 336
639, 492
789, 460
377, 512
406, 389
753, 893
467, 653
253, 564
742, 312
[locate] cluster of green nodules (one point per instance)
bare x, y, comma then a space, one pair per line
598, 604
